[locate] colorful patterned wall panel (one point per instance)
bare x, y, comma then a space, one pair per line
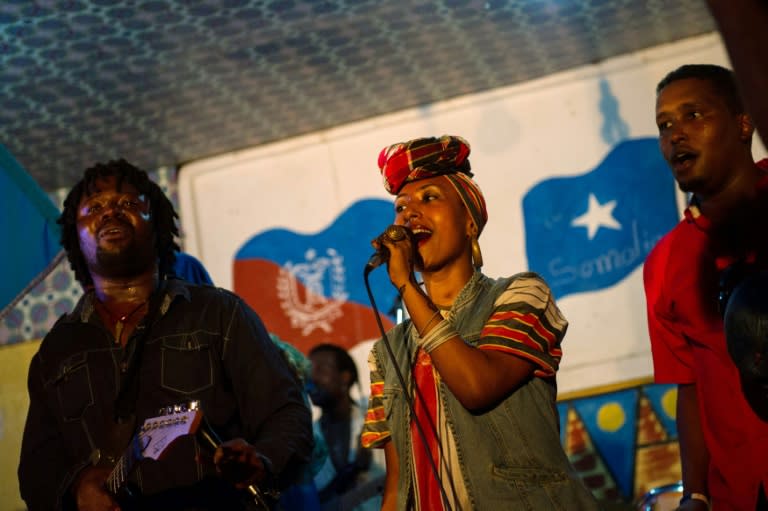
622, 442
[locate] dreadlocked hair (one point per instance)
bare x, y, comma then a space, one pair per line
162, 213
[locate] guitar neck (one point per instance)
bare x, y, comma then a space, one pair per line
119, 474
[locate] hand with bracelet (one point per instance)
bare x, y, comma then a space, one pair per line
399, 242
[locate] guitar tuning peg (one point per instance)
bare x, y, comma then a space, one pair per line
179, 408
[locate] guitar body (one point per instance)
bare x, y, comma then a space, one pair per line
153, 441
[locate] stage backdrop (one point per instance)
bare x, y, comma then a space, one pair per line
576, 189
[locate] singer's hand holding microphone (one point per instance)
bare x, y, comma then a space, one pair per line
394, 246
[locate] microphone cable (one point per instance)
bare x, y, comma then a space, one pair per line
408, 397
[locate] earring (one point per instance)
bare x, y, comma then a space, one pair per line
477, 256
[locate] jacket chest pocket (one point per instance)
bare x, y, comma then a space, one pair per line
395, 404
186, 364
73, 387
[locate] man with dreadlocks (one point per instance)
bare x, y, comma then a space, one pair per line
139, 341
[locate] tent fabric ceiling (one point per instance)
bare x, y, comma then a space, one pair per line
165, 82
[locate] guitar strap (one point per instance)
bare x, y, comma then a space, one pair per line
125, 403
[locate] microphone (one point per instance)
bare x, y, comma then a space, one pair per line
393, 233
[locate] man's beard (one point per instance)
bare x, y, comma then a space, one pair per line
128, 262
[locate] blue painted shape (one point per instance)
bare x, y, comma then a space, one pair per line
27, 226
613, 439
349, 236
635, 184
613, 128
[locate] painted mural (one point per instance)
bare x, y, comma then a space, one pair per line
588, 232
309, 288
623, 442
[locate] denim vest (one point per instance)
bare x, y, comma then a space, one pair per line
510, 454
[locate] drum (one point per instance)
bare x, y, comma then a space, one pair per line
661, 498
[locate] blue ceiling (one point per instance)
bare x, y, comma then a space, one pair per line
165, 82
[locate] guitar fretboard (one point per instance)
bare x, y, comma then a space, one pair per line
117, 478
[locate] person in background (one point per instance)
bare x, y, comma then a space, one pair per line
478, 355
138, 341
303, 494
705, 135
347, 480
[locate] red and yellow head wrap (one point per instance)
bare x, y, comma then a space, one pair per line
423, 158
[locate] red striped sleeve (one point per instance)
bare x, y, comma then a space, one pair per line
375, 428
527, 323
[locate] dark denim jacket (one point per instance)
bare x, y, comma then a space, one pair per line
205, 344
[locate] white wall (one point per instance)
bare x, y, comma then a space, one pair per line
519, 136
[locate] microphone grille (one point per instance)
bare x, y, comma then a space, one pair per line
395, 233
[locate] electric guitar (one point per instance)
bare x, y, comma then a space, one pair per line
155, 437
